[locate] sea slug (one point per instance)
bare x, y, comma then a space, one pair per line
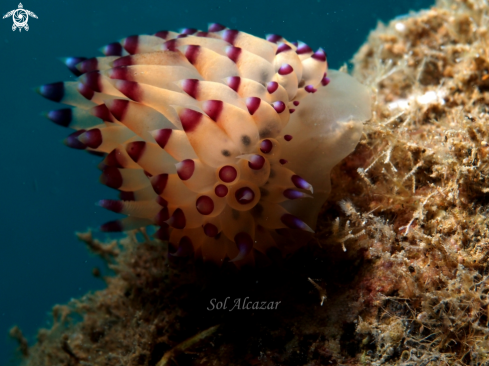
222, 139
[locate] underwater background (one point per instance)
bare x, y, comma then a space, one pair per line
49, 190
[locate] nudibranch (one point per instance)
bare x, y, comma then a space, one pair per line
223, 140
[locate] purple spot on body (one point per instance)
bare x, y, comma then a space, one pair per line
162, 216
310, 89
88, 65
293, 222
101, 111
253, 103
61, 117
213, 109
274, 38
71, 63
185, 169
256, 162
279, 106
111, 177
159, 183
118, 108
211, 230
244, 242
230, 35
177, 220
282, 48
162, 136
234, 82
221, 190
293, 194
135, 150
189, 31
54, 91
161, 201
300, 183
123, 61
266, 146
228, 174
73, 142
244, 195
91, 138
192, 53
233, 53
130, 89
303, 48
215, 27
285, 69
170, 45
205, 205
113, 49
185, 248
131, 44
163, 233
112, 160
190, 119
325, 80
92, 80
112, 226
189, 86
319, 55
272, 86
86, 91
111, 205
162, 34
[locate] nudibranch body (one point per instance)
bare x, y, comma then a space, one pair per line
222, 139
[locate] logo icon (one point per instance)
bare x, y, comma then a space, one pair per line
20, 17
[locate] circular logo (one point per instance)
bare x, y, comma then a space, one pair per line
20, 17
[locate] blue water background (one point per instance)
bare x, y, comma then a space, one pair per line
47, 190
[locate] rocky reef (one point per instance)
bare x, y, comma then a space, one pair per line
397, 273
